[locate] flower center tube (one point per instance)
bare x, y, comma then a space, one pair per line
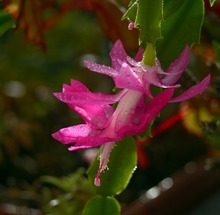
122, 117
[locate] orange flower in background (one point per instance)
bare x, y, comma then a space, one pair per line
28, 15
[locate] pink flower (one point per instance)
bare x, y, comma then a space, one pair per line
105, 125
132, 74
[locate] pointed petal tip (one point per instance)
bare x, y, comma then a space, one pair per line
186, 51
208, 77
86, 62
58, 137
99, 68
61, 138
187, 48
193, 91
57, 95
55, 136
118, 42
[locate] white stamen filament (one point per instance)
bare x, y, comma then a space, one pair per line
104, 159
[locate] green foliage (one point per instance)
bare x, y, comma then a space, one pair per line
181, 25
168, 24
100, 205
68, 183
147, 16
122, 163
29, 120
6, 21
72, 193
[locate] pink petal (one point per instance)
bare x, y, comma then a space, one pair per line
118, 53
151, 77
177, 67
84, 137
154, 107
193, 91
127, 121
150, 113
158, 63
139, 55
93, 141
102, 69
88, 98
128, 79
72, 134
133, 62
76, 86
94, 115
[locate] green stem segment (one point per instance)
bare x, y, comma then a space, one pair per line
149, 57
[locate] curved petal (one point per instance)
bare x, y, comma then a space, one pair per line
150, 113
93, 141
153, 108
128, 79
76, 86
102, 69
139, 55
126, 110
193, 91
94, 115
151, 77
127, 121
72, 134
118, 53
83, 136
177, 67
88, 98
133, 62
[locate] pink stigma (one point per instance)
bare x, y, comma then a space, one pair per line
97, 181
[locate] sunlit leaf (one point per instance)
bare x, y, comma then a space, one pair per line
182, 25
122, 164
99, 205
6, 22
147, 16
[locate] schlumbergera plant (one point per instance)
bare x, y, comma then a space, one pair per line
167, 30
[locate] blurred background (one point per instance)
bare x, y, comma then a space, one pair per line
178, 170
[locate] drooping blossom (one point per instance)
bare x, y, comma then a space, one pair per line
105, 125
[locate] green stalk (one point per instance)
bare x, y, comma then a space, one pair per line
149, 57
